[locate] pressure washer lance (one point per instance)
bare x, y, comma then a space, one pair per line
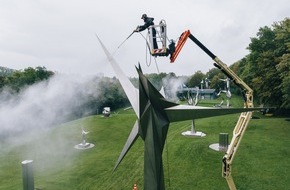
124, 42
126, 39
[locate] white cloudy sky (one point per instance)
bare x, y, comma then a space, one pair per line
60, 34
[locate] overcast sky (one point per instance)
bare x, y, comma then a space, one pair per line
60, 34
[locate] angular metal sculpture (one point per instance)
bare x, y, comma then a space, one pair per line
154, 116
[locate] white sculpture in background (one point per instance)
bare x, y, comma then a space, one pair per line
84, 137
84, 144
227, 91
106, 111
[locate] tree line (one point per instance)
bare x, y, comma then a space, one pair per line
16, 80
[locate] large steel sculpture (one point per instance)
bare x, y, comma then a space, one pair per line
154, 114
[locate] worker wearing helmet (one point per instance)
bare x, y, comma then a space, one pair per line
148, 22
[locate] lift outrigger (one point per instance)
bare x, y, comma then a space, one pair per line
244, 118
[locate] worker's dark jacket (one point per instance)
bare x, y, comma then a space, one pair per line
148, 22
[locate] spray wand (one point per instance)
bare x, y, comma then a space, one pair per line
126, 39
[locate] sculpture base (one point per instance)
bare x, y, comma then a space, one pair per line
191, 134
217, 147
84, 146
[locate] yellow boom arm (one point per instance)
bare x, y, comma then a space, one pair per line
244, 118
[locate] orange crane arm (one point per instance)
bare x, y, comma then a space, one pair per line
182, 39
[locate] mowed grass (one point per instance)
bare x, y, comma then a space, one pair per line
262, 161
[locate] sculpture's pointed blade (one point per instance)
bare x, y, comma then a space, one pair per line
131, 92
130, 141
152, 93
162, 91
185, 112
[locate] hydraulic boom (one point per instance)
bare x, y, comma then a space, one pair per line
244, 118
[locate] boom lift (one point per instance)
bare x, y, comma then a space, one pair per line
244, 118
160, 38
158, 34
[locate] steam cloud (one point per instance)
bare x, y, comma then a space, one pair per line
171, 86
45, 103
25, 118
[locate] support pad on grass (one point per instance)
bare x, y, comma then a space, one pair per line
84, 146
223, 143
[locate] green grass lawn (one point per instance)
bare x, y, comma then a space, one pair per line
262, 161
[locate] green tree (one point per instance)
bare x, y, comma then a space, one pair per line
42, 73
4, 71
214, 75
195, 79
28, 77
266, 52
284, 69
216, 83
19, 79
3, 81
283, 35
111, 94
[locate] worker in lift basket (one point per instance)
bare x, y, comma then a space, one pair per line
148, 22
